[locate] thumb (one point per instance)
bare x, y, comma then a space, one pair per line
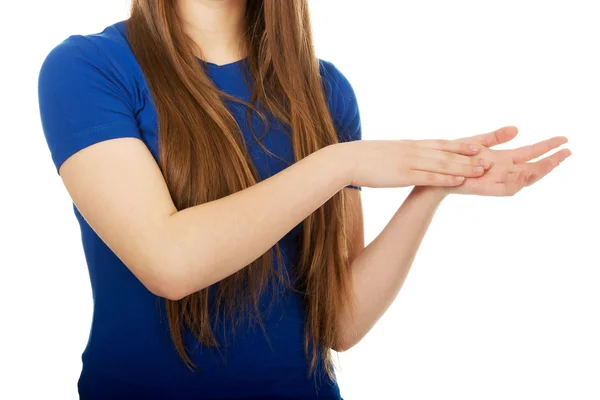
499, 136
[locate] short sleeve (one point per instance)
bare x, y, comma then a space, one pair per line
83, 99
342, 103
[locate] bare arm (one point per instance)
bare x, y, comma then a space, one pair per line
120, 191
379, 270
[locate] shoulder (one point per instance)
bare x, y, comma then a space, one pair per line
88, 92
338, 89
104, 55
341, 100
336, 83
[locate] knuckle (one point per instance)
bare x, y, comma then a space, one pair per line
450, 145
529, 179
431, 177
449, 156
443, 164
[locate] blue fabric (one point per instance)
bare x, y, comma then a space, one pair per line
92, 89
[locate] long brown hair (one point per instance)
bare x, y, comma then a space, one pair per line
203, 158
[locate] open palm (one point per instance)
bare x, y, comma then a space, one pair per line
511, 170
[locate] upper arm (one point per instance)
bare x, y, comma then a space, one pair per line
94, 140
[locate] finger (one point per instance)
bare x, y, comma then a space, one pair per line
540, 169
445, 167
546, 163
527, 153
452, 146
495, 138
423, 178
520, 181
451, 157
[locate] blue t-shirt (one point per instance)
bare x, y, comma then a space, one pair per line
92, 89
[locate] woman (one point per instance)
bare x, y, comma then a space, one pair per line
216, 168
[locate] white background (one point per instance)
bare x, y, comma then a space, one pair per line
503, 300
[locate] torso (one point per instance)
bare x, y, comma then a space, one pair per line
130, 353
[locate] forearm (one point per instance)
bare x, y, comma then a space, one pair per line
379, 271
214, 240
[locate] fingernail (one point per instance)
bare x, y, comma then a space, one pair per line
459, 178
485, 163
478, 170
473, 148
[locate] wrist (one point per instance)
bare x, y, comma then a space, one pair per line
433, 193
343, 165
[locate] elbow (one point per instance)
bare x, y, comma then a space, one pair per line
342, 347
348, 333
165, 268
172, 275
169, 281
169, 291
344, 344
166, 287
349, 336
175, 283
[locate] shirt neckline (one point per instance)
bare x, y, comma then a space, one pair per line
223, 67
